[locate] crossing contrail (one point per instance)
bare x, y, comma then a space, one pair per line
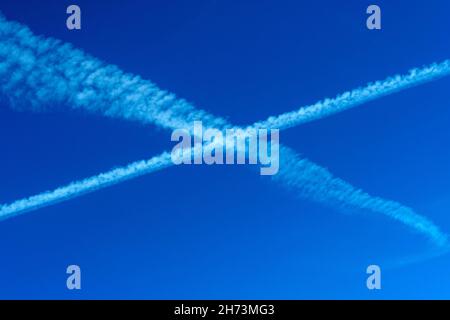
40, 73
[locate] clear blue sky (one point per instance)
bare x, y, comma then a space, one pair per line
224, 231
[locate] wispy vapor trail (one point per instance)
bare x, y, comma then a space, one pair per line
81, 187
313, 182
356, 97
40, 72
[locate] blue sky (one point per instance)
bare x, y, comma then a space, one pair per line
225, 231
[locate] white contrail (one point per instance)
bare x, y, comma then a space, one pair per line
84, 186
40, 72
357, 96
313, 182
43, 73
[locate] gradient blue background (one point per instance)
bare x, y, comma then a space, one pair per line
224, 231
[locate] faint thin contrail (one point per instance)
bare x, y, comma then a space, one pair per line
40, 72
